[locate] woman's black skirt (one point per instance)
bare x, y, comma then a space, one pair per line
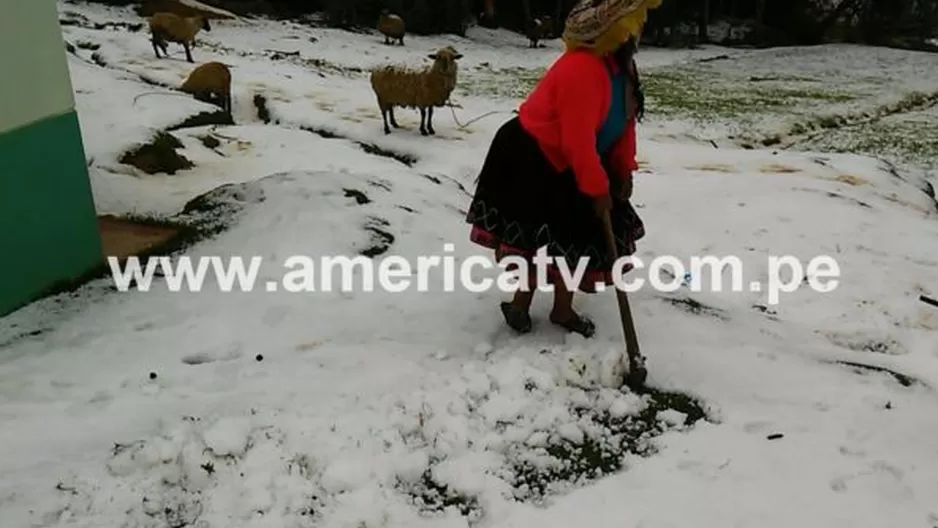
522, 204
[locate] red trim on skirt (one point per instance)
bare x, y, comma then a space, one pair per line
587, 284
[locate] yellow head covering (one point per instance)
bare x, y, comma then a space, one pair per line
625, 27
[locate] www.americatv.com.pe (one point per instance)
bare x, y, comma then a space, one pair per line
305, 274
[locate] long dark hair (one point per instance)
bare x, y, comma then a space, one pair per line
624, 57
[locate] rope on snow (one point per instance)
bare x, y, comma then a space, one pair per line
462, 126
158, 93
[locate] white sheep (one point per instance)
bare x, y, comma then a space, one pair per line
422, 89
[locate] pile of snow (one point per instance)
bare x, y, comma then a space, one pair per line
462, 448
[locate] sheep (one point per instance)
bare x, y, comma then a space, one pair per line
170, 27
540, 30
392, 27
208, 81
421, 89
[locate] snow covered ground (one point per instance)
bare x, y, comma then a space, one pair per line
368, 409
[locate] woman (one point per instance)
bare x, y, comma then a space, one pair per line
566, 160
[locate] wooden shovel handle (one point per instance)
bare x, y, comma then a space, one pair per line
625, 312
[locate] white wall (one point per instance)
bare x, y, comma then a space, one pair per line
34, 71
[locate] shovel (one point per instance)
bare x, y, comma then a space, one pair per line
635, 379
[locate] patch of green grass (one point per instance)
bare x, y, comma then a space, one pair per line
703, 94
696, 92
158, 155
428, 495
534, 473
912, 139
597, 457
381, 239
815, 94
784, 77
209, 141
510, 83
220, 118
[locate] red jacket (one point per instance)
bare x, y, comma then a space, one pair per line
564, 113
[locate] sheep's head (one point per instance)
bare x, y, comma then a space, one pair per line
202, 23
444, 60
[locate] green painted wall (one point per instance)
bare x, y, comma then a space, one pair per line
48, 226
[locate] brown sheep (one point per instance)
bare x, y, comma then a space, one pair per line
540, 30
170, 27
422, 89
392, 27
209, 81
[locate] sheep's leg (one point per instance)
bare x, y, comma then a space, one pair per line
401, 40
393, 121
384, 117
218, 98
423, 118
156, 46
430, 120
188, 52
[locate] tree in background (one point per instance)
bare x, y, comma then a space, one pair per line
902, 23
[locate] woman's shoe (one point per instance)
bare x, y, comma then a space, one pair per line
577, 324
519, 320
